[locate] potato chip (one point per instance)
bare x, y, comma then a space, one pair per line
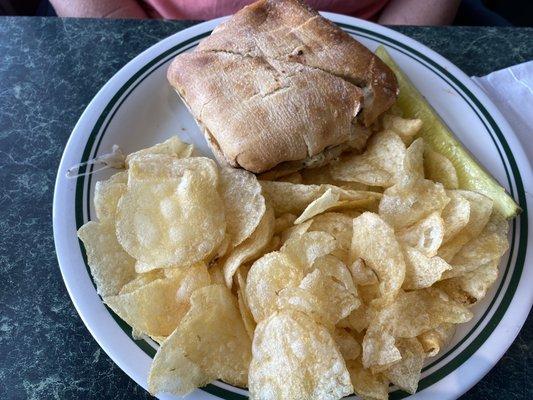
111, 267
295, 231
193, 278
361, 274
421, 310
322, 175
379, 346
322, 296
175, 220
295, 177
247, 317
295, 358
422, 271
403, 205
425, 235
366, 384
273, 245
107, 194
339, 226
490, 245
141, 280
413, 166
348, 346
251, 248
374, 242
455, 215
266, 278
480, 212
216, 274
379, 165
406, 373
303, 250
357, 320
405, 128
439, 168
244, 205
435, 339
171, 147
471, 287
155, 308
210, 343
328, 200
283, 222
287, 197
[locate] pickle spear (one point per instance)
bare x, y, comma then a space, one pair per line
436, 134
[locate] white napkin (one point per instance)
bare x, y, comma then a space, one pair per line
511, 90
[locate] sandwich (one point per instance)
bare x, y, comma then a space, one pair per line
277, 88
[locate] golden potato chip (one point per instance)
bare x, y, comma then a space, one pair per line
406, 373
361, 274
322, 175
174, 220
155, 308
455, 215
304, 249
332, 266
471, 287
216, 274
107, 194
339, 226
247, 317
210, 343
331, 200
171, 147
490, 245
422, 271
328, 200
251, 248
111, 267
405, 128
295, 177
348, 346
374, 242
283, 222
287, 197
403, 205
322, 296
295, 231
244, 205
414, 161
141, 280
425, 235
439, 168
379, 165
367, 385
379, 345
295, 358
435, 339
193, 278
421, 310
480, 212
357, 320
266, 278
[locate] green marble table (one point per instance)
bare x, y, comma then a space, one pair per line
49, 71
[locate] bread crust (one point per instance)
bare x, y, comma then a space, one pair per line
278, 83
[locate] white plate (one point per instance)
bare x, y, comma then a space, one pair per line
137, 108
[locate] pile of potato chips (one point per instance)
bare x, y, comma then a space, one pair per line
330, 281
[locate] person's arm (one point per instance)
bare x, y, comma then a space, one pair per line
99, 8
419, 12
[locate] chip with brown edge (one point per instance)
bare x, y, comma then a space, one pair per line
296, 358
210, 343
